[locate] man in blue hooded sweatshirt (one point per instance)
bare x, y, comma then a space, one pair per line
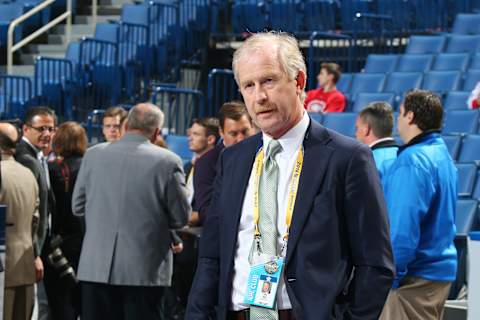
421, 192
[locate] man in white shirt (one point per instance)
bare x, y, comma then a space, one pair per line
294, 208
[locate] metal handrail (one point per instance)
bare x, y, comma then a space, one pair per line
67, 15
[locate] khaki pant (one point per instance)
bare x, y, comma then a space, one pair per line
416, 298
18, 303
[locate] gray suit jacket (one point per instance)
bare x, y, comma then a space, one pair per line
131, 192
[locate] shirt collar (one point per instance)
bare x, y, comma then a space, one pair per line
380, 140
38, 152
293, 138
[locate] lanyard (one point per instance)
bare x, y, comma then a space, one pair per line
292, 191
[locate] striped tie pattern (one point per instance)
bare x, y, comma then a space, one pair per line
267, 223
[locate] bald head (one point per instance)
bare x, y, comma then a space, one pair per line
8, 138
145, 118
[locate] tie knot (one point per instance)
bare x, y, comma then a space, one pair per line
274, 148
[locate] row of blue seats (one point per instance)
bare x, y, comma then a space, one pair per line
398, 83
456, 122
448, 43
453, 100
387, 63
361, 16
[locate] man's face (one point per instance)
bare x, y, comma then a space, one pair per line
236, 131
323, 78
361, 130
111, 128
197, 138
272, 100
40, 131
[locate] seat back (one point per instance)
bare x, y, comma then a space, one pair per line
451, 62
466, 220
461, 121
381, 63
470, 152
400, 82
441, 81
471, 79
466, 23
453, 143
179, 145
425, 44
344, 83
456, 100
368, 82
463, 43
363, 99
467, 173
414, 63
343, 123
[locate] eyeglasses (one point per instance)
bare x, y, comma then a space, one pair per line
44, 128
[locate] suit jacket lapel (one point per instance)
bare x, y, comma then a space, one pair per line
243, 163
315, 164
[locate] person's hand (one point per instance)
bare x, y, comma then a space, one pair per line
177, 248
194, 219
38, 264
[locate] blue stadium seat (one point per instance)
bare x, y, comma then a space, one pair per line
475, 61
248, 16
476, 190
471, 79
466, 23
441, 81
179, 145
364, 98
414, 63
467, 173
8, 13
367, 82
343, 123
349, 8
453, 143
401, 82
470, 152
344, 83
466, 219
381, 63
463, 43
107, 32
451, 62
316, 116
456, 100
16, 94
461, 121
425, 44
286, 15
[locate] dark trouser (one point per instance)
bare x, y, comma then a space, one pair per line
103, 302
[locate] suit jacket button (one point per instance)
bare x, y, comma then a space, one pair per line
291, 279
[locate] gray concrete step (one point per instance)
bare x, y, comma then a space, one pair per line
47, 48
76, 29
87, 19
29, 58
19, 70
62, 39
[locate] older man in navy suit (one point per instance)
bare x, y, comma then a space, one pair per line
298, 208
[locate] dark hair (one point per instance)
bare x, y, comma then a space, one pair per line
114, 112
234, 110
7, 143
210, 125
379, 116
70, 139
39, 111
426, 107
333, 69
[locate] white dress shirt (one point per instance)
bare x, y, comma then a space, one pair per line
291, 143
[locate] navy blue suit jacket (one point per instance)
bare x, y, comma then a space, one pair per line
339, 262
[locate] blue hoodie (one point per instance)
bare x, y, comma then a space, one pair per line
421, 194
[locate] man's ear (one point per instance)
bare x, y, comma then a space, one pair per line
301, 81
211, 139
410, 117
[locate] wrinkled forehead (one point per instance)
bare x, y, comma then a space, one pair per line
42, 119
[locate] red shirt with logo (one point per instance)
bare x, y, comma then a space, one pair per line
320, 101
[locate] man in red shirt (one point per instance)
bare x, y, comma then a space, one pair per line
326, 98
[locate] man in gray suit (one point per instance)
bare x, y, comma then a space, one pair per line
131, 193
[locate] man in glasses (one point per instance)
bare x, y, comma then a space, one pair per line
38, 129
